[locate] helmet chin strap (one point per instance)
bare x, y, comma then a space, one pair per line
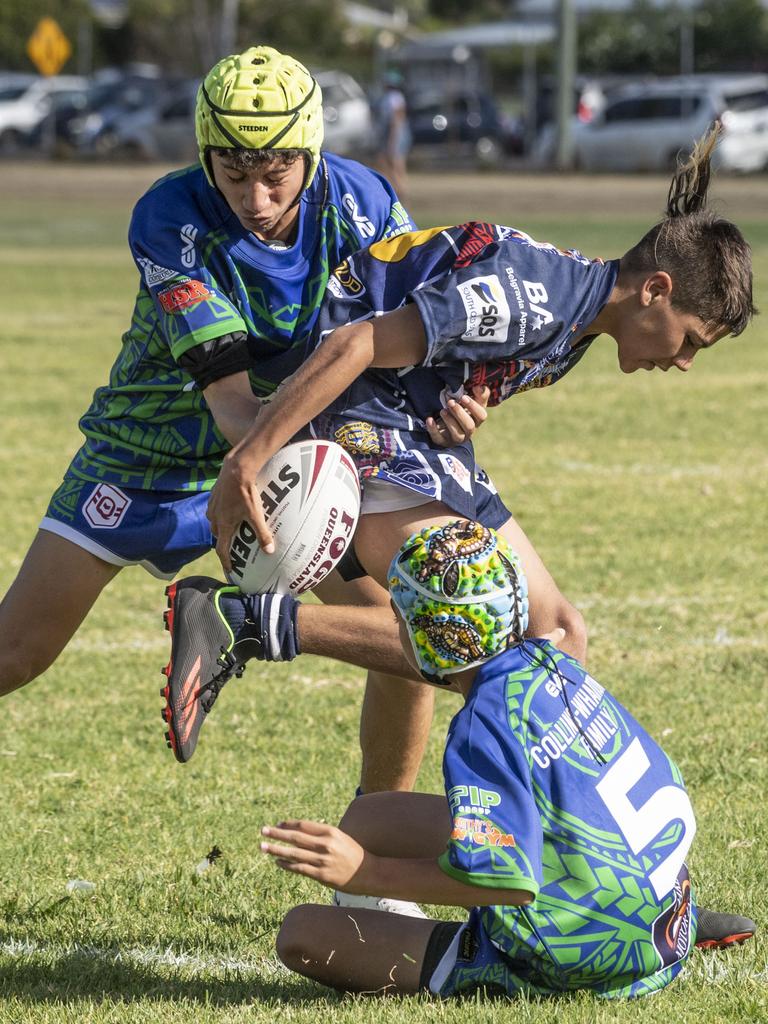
303, 188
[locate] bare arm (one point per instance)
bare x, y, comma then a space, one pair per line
335, 859
394, 340
233, 405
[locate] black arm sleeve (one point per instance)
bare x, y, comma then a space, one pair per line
219, 357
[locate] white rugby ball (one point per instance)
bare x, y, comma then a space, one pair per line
311, 498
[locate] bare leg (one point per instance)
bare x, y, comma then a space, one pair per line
55, 589
356, 624
548, 608
355, 950
397, 710
364, 950
394, 731
399, 824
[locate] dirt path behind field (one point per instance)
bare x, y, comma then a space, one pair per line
435, 197
574, 196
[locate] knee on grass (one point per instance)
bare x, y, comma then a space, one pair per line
292, 940
572, 621
18, 667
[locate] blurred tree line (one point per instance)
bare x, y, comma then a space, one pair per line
187, 36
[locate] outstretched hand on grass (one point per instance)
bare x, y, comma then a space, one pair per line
318, 851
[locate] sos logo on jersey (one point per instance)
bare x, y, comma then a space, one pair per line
486, 307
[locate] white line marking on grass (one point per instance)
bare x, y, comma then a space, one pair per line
718, 971
22, 949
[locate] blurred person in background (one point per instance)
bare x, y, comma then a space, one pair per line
394, 133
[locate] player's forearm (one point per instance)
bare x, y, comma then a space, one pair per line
423, 881
233, 405
237, 417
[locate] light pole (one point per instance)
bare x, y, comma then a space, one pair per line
566, 74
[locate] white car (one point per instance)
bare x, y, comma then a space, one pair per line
644, 127
24, 102
346, 114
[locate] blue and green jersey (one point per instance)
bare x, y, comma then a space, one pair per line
204, 276
556, 790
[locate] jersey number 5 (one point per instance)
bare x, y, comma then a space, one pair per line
641, 825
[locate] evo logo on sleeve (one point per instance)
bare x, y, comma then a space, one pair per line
486, 307
188, 235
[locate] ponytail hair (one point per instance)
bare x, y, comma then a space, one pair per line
690, 183
706, 256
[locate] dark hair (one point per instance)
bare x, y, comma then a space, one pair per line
250, 159
706, 256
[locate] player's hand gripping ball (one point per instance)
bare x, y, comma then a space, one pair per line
311, 498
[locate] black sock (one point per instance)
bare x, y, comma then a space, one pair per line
270, 619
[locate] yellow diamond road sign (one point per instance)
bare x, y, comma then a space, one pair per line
48, 47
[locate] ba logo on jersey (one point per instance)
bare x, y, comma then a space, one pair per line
537, 296
486, 307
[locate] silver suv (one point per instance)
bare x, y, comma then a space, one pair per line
643, 127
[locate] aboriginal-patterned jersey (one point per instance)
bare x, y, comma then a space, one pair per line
556, 789
203, 276
498, 308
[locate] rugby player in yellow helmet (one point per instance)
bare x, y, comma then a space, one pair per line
232, 257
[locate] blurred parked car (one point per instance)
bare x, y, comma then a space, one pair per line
90, 122
645, 127
161, 130
591, 93
346, 114
466, 124
24, 103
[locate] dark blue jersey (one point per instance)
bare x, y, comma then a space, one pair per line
498, 308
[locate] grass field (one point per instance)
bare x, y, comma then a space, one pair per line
646, 496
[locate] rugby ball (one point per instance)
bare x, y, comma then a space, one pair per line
311, 498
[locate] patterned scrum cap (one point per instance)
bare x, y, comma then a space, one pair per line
463, 595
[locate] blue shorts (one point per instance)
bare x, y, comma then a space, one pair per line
469, 960
165, 530
160, 530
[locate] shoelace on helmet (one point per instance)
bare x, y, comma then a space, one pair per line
564, 693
